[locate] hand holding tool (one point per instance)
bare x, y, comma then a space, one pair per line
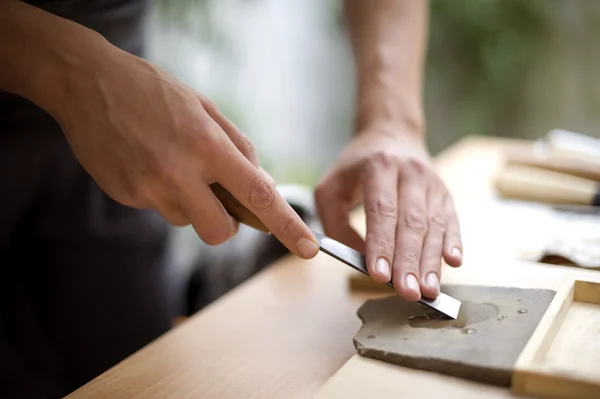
443, 303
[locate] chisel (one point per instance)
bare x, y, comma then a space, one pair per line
443, 303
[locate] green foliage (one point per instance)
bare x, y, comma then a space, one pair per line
196, 19
480, 49
193, 17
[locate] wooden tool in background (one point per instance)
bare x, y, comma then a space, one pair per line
572, 144
563, 167
531, 183
570, 164
561, 151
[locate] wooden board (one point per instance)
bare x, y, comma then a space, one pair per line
364, 378
286, 331
562, 358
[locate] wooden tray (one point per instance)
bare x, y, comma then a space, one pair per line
562, 357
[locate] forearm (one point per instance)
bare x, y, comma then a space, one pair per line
40, 53
389, 39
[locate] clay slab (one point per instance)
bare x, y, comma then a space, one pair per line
483, 344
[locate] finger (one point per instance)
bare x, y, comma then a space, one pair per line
271, 179
381, 198
167, 206
253, 189
333, 200
453, 248
174, 215
431, 257
237, 137
207, 215
410, 232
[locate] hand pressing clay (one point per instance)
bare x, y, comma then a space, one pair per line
482, 344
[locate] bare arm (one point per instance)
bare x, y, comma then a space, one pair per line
148, 140
389, 39
411, 222
39, 51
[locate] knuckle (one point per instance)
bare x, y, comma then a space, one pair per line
381, 158
260, 194
438, 221
246, 147
166, 172
432, 262
199, 138
382, 244
414, 166
382, 206
410, 258
287, 228
210, 106
415, 219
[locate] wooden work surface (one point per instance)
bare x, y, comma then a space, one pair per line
285, 332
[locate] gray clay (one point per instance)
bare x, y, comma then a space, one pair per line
482, 344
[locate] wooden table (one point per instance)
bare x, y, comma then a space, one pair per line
286, 331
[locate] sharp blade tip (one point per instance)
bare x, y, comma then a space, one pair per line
456, 310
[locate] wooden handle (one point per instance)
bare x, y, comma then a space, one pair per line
557, 162
237, 209
573, 145
535, 184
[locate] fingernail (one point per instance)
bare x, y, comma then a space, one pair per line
307, 248
412, 283
455, 252
383, 266
433, 281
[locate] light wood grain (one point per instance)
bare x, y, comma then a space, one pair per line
553, 159
286, 331
562, 357
531, 183
367, 378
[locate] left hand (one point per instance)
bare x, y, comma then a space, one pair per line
410, 216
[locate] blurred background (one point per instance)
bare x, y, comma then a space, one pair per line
282, 71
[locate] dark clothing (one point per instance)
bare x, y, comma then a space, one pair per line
84, 281
121, 22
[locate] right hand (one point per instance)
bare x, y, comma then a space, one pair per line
151, 141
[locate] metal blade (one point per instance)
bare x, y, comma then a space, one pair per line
444, 304
577, 209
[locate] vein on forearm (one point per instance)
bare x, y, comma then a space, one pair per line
388, 39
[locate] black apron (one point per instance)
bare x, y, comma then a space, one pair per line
84, 281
